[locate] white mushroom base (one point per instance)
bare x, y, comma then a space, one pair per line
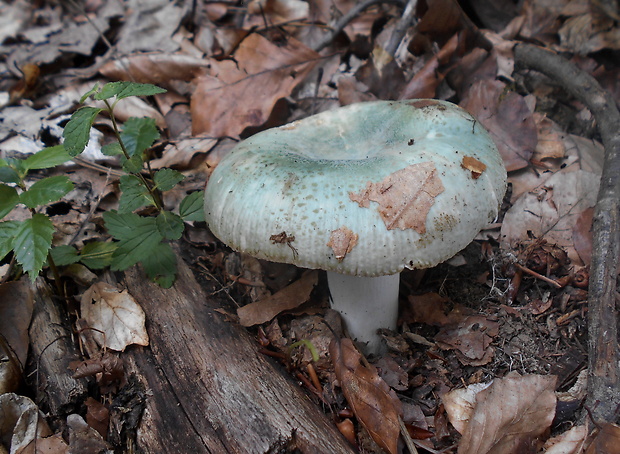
365, 304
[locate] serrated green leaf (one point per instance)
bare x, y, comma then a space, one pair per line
166, 179
170, 225
112, 149
46, 158
9, 175
192, 207
133, 194
64, 255
97, 255
45, 191
32, 243
125, 89
8, 199
133, 165
138, 237
8, 229
161, 265
139, 134
89, 93
77, 130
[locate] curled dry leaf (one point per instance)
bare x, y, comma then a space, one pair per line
607, 441
288, 298
471, 337
374, 404
21, 423
569, 442
508, 415
404, 197
117, 320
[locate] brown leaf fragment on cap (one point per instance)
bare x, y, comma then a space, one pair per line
472, 164
342, 241
420, 103
404, 197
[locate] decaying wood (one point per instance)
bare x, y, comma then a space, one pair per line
52, 349
208, 388
604, 371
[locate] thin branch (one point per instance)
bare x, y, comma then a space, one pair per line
603, 368
345, 19
401, 27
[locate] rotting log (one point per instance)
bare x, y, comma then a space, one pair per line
209, 390
52, 349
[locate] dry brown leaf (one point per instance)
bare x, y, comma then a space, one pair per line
404, 197
507, 118
288, 298
432, 309
569, 442
83, 438
155, 68
474, 166
472, 337
607, 441
16, 305
275, 12
21, 423
117, 320
506, 417
375, 405
241, 93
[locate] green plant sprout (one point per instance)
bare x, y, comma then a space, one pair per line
138, 239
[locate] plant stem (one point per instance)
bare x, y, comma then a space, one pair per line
156, 199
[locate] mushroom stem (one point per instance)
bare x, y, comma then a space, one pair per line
365, 304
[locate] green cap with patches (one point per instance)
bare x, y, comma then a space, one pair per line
367, 189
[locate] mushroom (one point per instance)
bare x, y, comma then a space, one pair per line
362, 191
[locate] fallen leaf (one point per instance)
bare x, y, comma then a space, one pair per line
507, 416
569, 442
607, 441
16, 305
374, 404
83, 438
115, 317
507, 118
21, 423
288, 298
472, 337
226, 100
474, 166
404, 197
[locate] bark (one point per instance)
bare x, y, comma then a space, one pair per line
52, 350
603, 399
208, 388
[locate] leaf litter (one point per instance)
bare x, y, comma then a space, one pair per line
522, 309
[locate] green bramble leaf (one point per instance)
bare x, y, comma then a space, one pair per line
170, 225
89, 93
45, 191
8, 199
9, 175
125, 89
138, 237
192, 207
112, 149
46, 158
161, 265
139, 134
133, 194
64, 255
77, 130
33, 240
166, 179
8, 229
97, 255
133, 165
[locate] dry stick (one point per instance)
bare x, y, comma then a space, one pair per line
345, 19
604, 372
401, 27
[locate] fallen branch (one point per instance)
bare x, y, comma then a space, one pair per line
603, 399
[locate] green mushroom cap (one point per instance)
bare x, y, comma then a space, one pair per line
367, 189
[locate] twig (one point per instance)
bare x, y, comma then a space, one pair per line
548, 280
603, 369
405, 433
401, 27
345, 19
